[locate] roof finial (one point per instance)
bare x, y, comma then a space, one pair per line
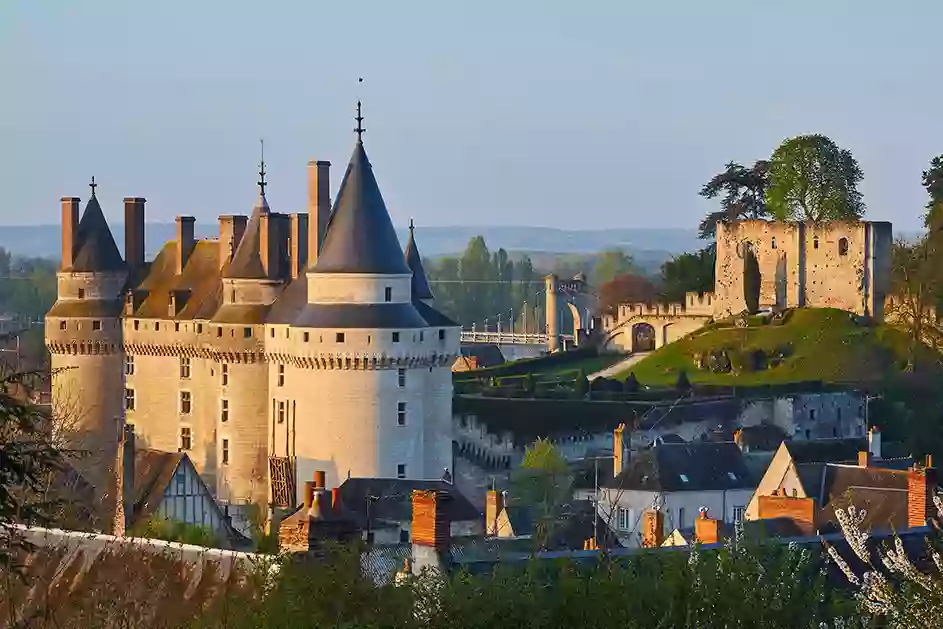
262, 183
93, 185
359, 130
411, 227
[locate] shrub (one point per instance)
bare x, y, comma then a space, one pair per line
683, 384
631, 384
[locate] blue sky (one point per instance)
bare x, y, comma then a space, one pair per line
565, 114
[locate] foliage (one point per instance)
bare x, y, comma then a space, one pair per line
932, 180
174, 531
751, 280
625, 289
826, 345
688, 272
916, 277
812, 179
611, 264
544, 483
744, 195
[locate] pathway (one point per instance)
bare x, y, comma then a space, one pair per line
619, 367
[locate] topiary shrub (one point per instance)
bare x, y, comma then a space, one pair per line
683, 384
631, 384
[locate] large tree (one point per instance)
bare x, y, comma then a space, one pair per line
932, 180
545, 484
627, 288
611, 264
744, 191
688, 272
812, 179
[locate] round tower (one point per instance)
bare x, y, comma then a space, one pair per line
84, 338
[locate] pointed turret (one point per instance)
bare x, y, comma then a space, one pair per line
247, 258
96, 250
360, 237
420, 284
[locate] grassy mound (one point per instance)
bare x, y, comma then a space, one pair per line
807, 344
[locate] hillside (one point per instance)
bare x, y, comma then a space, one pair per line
806, 344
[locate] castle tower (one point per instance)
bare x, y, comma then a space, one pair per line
84, 337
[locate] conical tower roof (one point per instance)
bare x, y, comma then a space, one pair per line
97, 250
360, 236
420, 284
246, 260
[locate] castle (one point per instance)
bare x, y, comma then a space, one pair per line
293, 343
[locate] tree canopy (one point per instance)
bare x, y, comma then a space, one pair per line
744, 192
692, 272
611, 264
812, 179
627, 288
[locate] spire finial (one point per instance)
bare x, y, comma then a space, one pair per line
262, 183
93, 185
359, 129
411, 227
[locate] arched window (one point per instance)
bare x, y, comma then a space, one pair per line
842, 246
773, 243
815, 242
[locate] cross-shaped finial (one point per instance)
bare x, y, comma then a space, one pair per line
411, 226
359, 130
93, 185
262, 183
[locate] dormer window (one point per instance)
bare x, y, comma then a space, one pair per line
81, 293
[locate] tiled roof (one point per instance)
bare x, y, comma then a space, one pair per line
153, 471
360, 236
394, 499
200, 279
96, 248
420, 284
697, 466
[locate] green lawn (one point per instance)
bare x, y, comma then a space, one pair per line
820, 344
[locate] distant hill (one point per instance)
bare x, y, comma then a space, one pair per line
646, 245
814, 344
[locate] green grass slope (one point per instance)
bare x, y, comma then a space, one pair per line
817, 344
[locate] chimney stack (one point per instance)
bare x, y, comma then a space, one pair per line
874, 442
653, 528
308, 495
319, 206
921, 486
618, 450
336, 500
319, 477
494, 504
864, 459
299, 244
802, 511
272, 244
231, 228
706, 529
431, 525
134, 233
70, 230
185, 241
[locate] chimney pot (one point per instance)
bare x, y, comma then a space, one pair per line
864, 459
319, 476
185, 241
319, 206
70, 230
299, 244
309, 494
231, 229
431, 525
336, 500
134, 233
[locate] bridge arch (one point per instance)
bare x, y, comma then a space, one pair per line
643, 337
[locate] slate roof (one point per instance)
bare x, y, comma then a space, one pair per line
882, 492
486, 355
433, 317
420, 284
200, 279
696, 466
246, 263
290, 302
394, 502
360, 316
96, 249
360, 236
826, 450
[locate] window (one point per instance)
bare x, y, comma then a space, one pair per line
225, 457
401, 378
339, 337
401, 413
812, 414
773, 243
441, 335
281, 412
624, 523
137, 324
185, 439
738, 514
306, 336
396, 337
62, 324
219, 331
180, 478
681, 517
388, 294
281, 375
421, 336
815, 243
185, 402
176, 327
247, 333
272, 332
129, 399
185, 367
128, 365
156, 326
96, 325
199, 328
224, 411
224, 370
842, 246
81, 293
401, 471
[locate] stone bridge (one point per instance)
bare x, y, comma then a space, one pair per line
647, 327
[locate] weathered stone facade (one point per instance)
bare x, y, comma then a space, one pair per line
834, 264
242, 349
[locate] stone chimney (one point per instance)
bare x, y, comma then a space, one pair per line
431, 531
298, 238
921, 486
134, 233
706, 529
319, 479
231, 228
70, 230
319, 519
273, 243
864, 458
618, 450
494, 504
874, 442
319, 206
653, 528
185, 241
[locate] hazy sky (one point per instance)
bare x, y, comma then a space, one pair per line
516, 112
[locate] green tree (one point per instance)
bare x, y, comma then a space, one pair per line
611, 264
751, 280
545, 484
744, 192
688, 272
476, 271
812, 179
932, 180
580, 385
